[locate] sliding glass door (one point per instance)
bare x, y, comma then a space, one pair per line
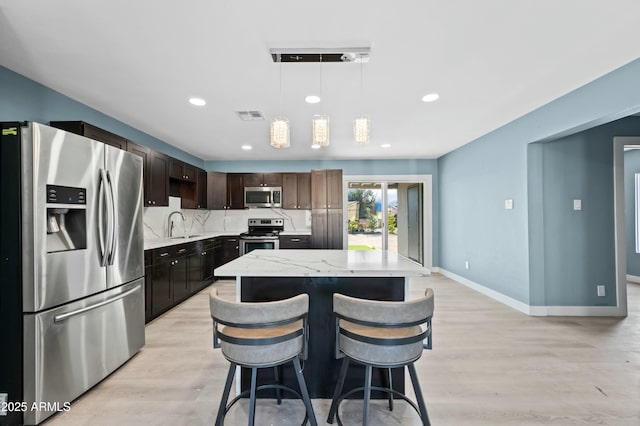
385, 215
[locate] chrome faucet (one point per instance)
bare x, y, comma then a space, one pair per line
170, 222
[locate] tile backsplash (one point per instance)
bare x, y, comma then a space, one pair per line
232, 221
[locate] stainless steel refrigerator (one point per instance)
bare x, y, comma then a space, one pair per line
71, 267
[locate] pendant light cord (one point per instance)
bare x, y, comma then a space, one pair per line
281, 89
361, 97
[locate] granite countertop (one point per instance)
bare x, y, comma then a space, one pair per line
165, 242
322, 263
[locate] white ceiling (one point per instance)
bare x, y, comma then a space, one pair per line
491, 61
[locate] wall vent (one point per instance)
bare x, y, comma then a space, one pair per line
345, 54
250, 115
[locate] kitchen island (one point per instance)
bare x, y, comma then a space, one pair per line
268, 275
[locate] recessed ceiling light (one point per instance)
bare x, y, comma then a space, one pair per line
197, 101
430, 97
385, 145
312, 99
247, 147
315, 146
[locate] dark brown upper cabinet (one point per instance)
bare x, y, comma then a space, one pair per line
326, 189
155, 172
296, 191
92, 132
182, 171
201, 185
235, 191
262, 179
216, 190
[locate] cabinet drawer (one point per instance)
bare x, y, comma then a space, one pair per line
295, 241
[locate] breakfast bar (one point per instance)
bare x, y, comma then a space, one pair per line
268, 275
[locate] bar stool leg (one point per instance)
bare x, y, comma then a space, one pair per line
390, 386
336, 394
419, 397
367, 394
276, 372
252, 398
225, 395
305, 392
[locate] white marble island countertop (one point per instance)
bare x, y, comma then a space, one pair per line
322, 263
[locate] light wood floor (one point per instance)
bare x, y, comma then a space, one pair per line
490, 365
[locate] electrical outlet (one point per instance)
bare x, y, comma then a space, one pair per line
508, 204
601, 292
3, 403
466, 264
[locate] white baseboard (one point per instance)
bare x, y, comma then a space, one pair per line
509, 301
436, 269
633, 279
570, 311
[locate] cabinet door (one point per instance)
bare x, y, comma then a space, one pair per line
231, 249
201, 186
252, 179
216, 190
334, 229
161, 290
145, 153
271, 179
334, 189
189, 172
195, 271
175, 169
304, 190
319, 228
207, 265
235, 191
318, 189
148, 294
180, 278
158, 177
289, 191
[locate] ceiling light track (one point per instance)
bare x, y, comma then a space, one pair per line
302, 55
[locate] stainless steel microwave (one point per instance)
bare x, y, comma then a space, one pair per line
263, 196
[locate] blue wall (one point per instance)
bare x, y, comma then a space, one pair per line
579, 246
22, 99
631, 167
476, 179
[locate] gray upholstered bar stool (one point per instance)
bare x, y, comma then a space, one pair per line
261, 335
382, 335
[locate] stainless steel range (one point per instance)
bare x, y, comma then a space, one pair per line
262, 234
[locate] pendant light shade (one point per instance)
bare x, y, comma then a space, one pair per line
320, 130
361, 130
280, 125
361, 125
280, 133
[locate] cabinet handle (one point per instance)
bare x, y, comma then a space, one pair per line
232, 241
153, 202
182, 250
164, 254
295, 240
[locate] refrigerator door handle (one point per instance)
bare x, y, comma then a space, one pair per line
101, 200
113, 221
67, 315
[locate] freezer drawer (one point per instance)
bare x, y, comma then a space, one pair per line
71, 348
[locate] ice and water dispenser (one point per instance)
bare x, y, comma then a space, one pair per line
66, 218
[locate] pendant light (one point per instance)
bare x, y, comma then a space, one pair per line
320, 123
280, 125
361, 125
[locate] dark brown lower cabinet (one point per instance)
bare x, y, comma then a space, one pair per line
175, 273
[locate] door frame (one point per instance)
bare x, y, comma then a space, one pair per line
427, 206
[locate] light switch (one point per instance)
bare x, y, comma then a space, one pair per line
508, 204
577, 204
